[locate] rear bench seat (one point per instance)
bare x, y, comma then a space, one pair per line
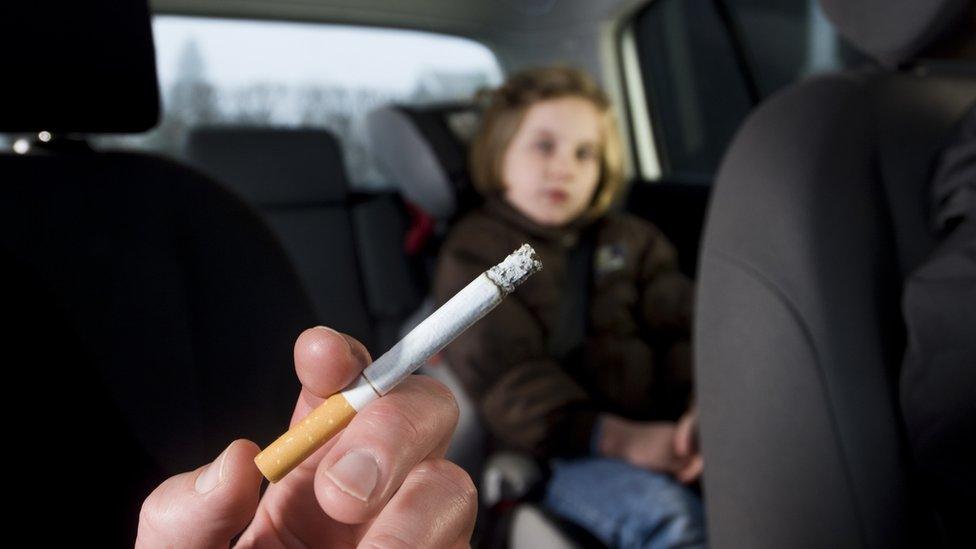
347, 247
296, 179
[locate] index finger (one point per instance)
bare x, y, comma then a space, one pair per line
327, 361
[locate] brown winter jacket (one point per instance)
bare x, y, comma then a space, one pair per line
635, 357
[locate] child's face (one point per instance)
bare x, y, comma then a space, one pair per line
552, 165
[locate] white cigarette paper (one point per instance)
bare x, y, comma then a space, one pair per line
433, 334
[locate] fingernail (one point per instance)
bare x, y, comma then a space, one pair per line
210, 477
355, 474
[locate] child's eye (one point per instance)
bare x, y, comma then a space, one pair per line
585, 153
545, 146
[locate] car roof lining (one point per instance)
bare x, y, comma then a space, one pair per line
489, 21
470, 16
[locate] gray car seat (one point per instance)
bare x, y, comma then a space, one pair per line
818, 213
297, 180
424, 151
348, 247
392, 278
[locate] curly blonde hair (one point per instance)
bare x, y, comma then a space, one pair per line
503, 114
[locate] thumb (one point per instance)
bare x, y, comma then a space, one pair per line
685, 444
206, 507
682, 440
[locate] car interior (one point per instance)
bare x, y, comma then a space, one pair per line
166, 239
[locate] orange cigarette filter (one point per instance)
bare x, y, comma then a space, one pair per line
301, 441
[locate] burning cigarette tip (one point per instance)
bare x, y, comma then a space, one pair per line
518, 266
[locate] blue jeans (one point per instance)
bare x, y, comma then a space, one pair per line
624, 506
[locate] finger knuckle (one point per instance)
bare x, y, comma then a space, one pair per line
448, 404
456, 480
397, 417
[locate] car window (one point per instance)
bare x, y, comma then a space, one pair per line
282, 74
704, 64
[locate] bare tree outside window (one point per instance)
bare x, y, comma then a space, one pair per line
301, 75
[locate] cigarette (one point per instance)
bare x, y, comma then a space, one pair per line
476, 300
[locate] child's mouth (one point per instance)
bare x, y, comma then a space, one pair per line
556, 196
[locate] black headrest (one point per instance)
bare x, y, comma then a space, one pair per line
894, 31
272, 166
81, 67
424, 151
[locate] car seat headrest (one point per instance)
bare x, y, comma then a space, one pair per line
78, 67
895, 31
272, 166
424, 151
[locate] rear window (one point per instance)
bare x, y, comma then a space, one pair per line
704, 64
256, 73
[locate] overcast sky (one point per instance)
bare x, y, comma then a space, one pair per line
237, 52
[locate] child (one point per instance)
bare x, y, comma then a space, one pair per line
587, 365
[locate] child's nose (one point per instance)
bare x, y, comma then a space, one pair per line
562, 167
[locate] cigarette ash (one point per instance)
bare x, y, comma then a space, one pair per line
518, 266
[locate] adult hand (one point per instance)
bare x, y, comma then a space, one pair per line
382, 482
645, 444
686, 447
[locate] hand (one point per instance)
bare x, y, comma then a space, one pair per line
382, 482
686, 447
644, 444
